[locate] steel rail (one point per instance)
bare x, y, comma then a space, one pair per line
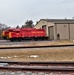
35, 66
20, 47
32, 68
66, 63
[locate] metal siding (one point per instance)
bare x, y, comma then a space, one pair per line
40, 24
55, 32
71, 31
50, 33
62, 30
49, 24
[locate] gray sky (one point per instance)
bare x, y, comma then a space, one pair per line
16, 12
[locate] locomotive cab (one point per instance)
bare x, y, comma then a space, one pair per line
15, 35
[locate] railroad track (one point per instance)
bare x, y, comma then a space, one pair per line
36, 71
21, 47
50, 63
37, 67
48, 68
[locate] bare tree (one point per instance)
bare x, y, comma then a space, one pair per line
17, 26
3, 27
28, 24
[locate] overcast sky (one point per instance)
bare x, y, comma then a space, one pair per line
16, 12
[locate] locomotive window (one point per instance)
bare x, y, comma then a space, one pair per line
11, 30
17, 31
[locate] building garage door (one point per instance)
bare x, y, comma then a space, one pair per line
50, 33
63, 31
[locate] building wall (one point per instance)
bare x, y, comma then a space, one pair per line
51, 32
49, 24
40, 24
71, 31
63, 31
55, 31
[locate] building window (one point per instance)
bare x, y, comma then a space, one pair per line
44, 27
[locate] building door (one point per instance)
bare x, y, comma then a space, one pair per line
50, 33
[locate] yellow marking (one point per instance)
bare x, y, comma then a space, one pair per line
10, 35
3, 33
37, 32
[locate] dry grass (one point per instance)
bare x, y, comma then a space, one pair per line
62, 54
43, 55
59, 42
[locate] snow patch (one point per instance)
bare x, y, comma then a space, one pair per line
15, 56
33, 56
8, 57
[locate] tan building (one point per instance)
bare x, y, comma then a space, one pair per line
57, 28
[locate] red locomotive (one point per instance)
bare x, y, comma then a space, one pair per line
27, 34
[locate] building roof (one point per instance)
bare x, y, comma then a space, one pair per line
59, 20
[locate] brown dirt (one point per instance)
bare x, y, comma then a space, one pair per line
59, 42
62, 54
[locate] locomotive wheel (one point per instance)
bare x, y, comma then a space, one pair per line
12, 40
35, 39
4, 38
19, 39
